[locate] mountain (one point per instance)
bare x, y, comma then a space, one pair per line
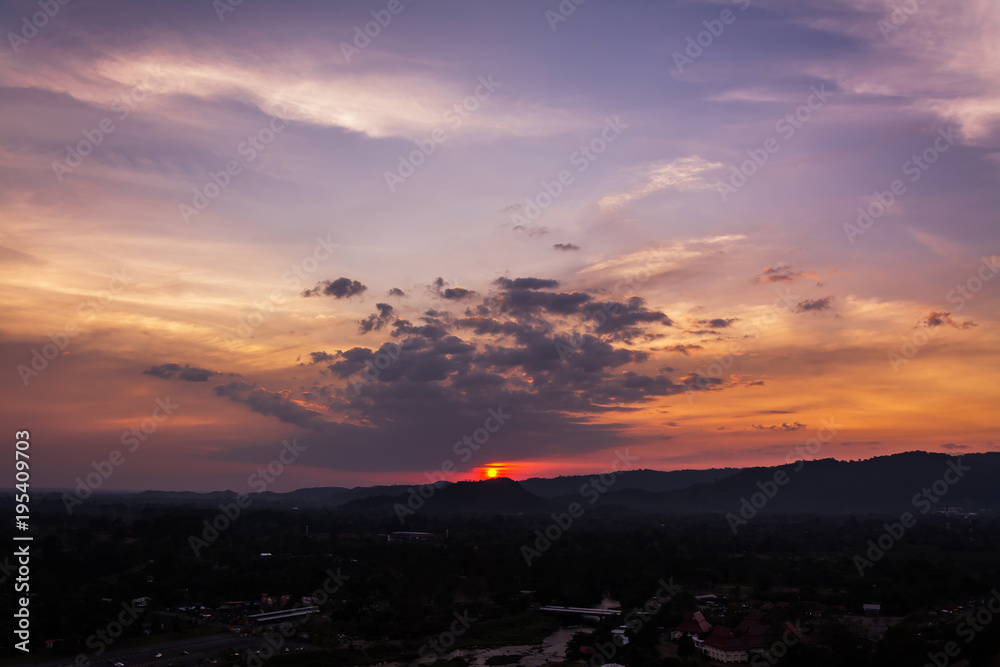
881, 485
644, 479
493, 496
918, 482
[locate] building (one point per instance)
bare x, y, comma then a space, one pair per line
728, 645
724, 646
755, 635
694, 623
410, 536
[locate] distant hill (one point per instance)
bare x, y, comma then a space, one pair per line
881, 485
494, 496
646, 480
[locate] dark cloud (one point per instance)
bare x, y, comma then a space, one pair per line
456, 293
951, 446
178, 372
271, 404
320, 357
401, 327
937, 318
683, 349
781, 273
529, 301
554, 359
341, 288
621, 320
486, 325
531, 230
376, 321
565, 247
794, 426
810, 305
526, 283
395, 291
718, 323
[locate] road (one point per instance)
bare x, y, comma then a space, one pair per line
205, 647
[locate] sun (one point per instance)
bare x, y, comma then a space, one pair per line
491, 472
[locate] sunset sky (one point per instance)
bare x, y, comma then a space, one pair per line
702, 231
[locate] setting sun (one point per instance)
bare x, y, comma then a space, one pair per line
491, 472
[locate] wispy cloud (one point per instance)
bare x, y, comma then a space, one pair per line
681, 174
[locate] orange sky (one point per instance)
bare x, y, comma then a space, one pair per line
564, 254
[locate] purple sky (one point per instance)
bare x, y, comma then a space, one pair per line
703, 231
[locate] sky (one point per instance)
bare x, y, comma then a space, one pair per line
394, 241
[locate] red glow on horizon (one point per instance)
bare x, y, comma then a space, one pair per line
497, 469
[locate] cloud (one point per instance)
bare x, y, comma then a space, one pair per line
178, 372
951, 446
794, 426
376, 101
718, 323
937, 318
443, 371
271, 404
681, 174
395, 291
620, 320
683, 349
526, 283
565, 247
666, 258
783, 273
456, 293
341, 288
319, 357
813, 305
377, 321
